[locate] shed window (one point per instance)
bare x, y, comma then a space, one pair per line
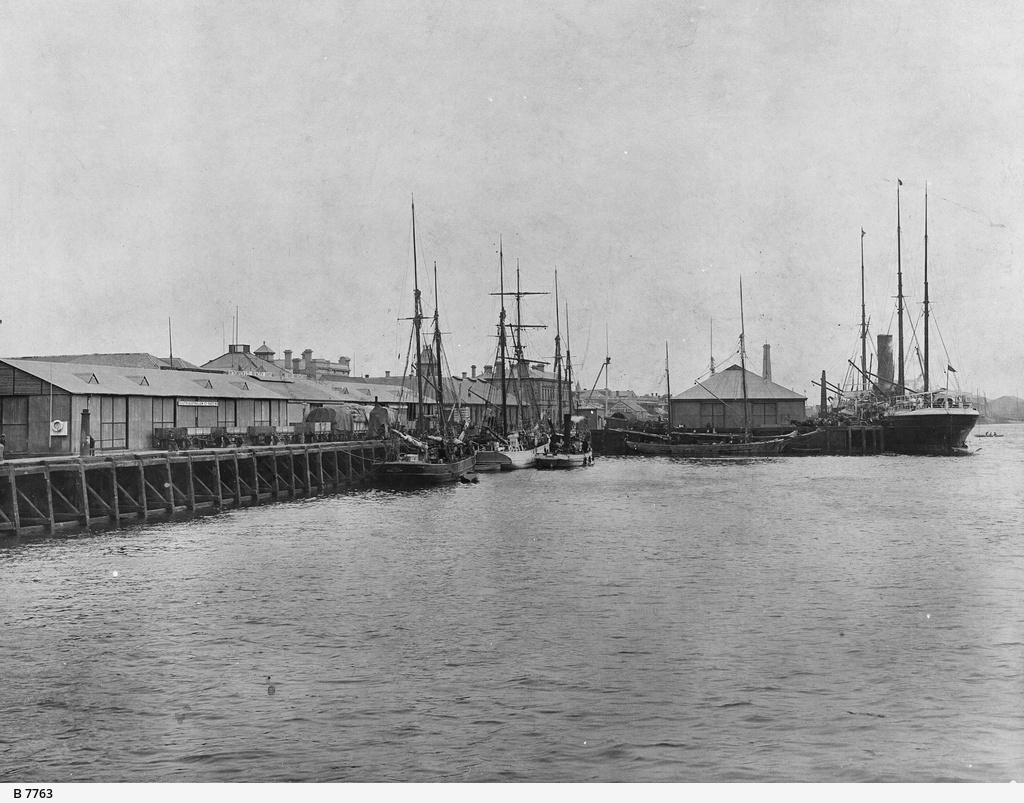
113, 423
163, 413
764, 414
14, 423
227, 413
712, 414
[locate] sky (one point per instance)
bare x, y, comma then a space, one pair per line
166, 164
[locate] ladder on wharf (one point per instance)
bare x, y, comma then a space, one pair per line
49, 494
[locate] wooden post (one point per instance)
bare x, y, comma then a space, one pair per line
49, 497
144, 513
170, 484
238, 480
191, 485
85, 493
220, 485
15, 512
117, 496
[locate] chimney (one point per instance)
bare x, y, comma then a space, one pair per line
473, 369
296, 365
487, 370
387, 374
885, 364
463, 374
307, 357
767, 371
287, 357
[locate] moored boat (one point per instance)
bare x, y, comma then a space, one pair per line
422, 457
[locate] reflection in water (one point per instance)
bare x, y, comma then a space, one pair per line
646, 619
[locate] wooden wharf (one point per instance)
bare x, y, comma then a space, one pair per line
49, 494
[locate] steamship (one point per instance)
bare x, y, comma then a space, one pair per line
926, 421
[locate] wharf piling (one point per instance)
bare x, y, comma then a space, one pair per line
51, 494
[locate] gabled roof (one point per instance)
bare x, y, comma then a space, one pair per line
728, 385
136, 359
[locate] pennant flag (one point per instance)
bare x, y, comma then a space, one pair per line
900, 182
862, 233
950, 368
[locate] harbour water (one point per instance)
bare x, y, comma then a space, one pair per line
646, 619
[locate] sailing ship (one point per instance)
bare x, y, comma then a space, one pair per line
926, 421
510, 444
714, 444
424, 457
568, 447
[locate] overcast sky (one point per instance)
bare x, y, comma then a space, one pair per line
178, 160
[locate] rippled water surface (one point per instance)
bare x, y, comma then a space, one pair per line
647, 619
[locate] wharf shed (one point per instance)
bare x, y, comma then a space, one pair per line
42, 404
717, 403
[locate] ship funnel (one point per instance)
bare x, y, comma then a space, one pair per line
885, 363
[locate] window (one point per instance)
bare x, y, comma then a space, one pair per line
113, 423
262, 412
764, 414
163, 413
227, 413
14, 423
712, 414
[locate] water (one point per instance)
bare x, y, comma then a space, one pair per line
647, 619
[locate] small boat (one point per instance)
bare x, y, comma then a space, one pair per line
567, 449
422, 457
988, 435
715, 446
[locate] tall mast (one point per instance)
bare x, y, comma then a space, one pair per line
607, 362
712, 346
926, 287
558, 350
502, 356
441, 425
899, 289
863, 322
668, 388
568, 363
743, 367
417, 323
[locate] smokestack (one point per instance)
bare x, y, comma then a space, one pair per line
885, 364
767, 370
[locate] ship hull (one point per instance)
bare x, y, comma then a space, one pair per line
929, 430
562, 460
506, 460
719, 449
411, 472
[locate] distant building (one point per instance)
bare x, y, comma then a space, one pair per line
240, 359
717, 403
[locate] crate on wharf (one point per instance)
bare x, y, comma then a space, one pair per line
46, 495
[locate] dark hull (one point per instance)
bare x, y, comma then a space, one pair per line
400, 472
713, 449
561, 460
929, 431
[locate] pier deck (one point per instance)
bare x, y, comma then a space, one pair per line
50, 494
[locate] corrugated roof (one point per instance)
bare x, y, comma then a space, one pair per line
128, 359
113, 380
728, 385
